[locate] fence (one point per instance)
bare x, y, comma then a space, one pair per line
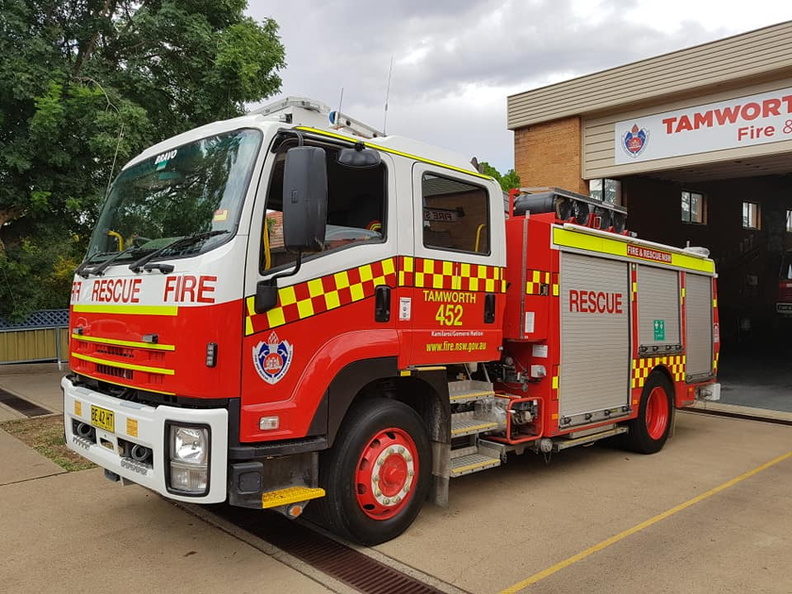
43, 336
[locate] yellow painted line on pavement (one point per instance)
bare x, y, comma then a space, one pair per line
630, 531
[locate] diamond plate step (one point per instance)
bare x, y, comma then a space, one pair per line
290, 495
466, 424
472, 463
469, 391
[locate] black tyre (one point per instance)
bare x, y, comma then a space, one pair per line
377, 474
649, 431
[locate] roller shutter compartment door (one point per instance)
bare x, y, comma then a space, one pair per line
595, 334
698, 326
659, 311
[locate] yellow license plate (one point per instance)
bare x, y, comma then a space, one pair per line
103, 418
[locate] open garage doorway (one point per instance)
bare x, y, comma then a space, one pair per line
741, 212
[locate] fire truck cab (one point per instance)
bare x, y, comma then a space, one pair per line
291, 307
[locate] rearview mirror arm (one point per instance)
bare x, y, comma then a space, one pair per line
267, 290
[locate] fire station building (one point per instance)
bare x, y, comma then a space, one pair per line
697, 144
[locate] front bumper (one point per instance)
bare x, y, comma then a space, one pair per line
144, 425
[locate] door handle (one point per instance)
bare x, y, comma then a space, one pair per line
382, 303
489, 308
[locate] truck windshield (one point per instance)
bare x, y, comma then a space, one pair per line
194, 190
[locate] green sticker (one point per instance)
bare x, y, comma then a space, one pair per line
659, 329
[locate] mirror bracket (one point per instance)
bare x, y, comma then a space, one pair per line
267, 290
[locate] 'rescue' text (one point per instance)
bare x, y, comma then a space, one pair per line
598, 302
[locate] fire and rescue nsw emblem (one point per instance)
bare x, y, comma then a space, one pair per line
634, 141
272, 358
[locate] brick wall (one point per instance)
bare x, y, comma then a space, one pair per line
549, 154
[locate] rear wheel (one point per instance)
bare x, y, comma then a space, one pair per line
377, 474
649, 431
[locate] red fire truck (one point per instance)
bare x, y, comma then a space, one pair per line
290, 306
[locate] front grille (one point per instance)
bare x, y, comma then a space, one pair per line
115, 351
127, 374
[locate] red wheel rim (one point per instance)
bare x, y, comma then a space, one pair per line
386, 474
657, 413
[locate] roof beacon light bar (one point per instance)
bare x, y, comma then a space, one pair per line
315, 114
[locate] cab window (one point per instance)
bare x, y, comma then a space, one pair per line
455, 215
355, 210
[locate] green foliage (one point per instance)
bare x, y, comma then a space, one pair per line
36, 273
86, 85
508, 181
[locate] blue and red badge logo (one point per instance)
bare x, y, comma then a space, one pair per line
272, 358
635, 140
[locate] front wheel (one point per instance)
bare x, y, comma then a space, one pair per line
649, 431
377, 474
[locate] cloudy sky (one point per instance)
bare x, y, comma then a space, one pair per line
456, 61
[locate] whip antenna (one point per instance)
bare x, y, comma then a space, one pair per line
387, 95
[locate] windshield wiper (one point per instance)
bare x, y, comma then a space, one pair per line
99, 269
137, 266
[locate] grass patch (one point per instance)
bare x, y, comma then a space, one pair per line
45, 435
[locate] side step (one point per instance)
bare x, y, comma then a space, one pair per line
472, 463
469, 391
559, 445
466, 423
467, 455
290, 495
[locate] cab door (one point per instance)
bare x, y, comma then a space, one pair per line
331, 311
456, 272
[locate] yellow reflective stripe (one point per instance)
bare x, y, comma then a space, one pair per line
385, 149
107, 381
615, 247
141, 310
129, 343
145, 368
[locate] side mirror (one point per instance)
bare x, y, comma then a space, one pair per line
305, 199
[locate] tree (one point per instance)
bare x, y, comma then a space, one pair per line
508, 181
86, 85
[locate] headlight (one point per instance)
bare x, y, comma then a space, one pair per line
189, 444
188, 460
